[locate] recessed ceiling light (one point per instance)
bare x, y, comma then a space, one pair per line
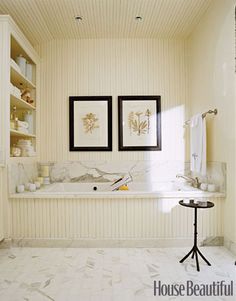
78, 18
138, 18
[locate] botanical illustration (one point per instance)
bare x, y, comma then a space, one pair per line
139, 122
90, 123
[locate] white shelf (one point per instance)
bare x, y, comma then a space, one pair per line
19, 80
22, 159
20, 103
15, 133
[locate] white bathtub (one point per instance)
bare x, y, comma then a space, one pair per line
101, 190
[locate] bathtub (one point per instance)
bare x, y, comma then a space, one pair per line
148, 214
101, 190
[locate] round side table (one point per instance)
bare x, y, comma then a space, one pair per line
195, 250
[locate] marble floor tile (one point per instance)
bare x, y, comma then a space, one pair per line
109, 274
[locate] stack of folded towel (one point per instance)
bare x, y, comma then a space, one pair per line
15, 91
22, 126
27, 149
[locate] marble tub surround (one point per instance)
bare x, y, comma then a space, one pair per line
141, 171
21, 173
135, 190
109, 171
105, 274
216, 176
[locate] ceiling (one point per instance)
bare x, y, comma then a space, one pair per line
43, 20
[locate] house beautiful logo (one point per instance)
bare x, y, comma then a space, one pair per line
215, 288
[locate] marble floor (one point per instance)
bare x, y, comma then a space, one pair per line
125, 274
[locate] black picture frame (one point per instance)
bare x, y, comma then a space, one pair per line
81, 126
128, 143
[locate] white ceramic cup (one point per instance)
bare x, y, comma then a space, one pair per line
20, 188
203, 186
27, 185
37, 184
32, 187
211, 187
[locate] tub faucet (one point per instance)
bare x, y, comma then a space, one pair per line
122, 181
194, 181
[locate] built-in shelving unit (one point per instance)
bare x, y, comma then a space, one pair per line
15, 133
19, 92
21, 107
20, 103
18, 79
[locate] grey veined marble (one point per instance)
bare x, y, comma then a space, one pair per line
105, 274
109, 171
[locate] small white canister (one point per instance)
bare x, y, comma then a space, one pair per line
204, 186
29, 73
28, 117
32, 187
37, 184
21, 62
20, 188
211, 188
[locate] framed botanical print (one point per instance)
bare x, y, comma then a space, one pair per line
139, 123
90, 123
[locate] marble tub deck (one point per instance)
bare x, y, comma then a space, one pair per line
106, 274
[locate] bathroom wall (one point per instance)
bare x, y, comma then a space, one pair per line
212, 81
1, 205
112, 67
5, 210
112, 222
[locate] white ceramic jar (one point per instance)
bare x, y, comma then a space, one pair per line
203, 186
211, 187
21, 62
20, 188
32, 187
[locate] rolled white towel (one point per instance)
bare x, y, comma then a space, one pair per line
23, 130
22, 124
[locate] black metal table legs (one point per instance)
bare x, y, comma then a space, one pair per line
195, 251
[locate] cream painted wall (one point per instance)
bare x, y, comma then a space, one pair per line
112, 67
212, 81
1, 206
5, 210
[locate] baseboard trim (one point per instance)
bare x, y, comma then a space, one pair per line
109, 243
230, 245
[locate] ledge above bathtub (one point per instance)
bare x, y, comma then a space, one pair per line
60, 190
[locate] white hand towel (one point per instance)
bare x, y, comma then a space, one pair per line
22, 124
198, 144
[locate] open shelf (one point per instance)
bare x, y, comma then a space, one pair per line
19, 80
15, 133
22, 159
20, 103
17, 49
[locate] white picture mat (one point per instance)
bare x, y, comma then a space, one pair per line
99, 136
132, 139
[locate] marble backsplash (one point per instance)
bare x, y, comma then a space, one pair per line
93, 171
104, 171
21, 173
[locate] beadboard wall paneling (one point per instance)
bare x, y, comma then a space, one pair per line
123, 218
212, 85
5, 206
112, 67
1, 205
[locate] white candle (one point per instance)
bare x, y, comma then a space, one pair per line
20, 188
44, 171
32, 187
40, 180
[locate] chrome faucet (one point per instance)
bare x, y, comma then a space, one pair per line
194, 181
122, 181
